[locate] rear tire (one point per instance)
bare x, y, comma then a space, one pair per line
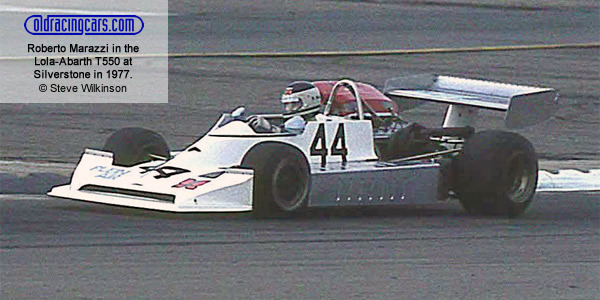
132, 146
281, 179
496, 174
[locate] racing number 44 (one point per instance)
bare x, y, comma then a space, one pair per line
318, 146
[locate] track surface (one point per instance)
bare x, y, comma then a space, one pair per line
201, 89
63, 249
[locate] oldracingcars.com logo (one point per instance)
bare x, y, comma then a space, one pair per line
84, 25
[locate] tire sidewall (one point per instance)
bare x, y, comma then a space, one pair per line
267, 160
483, 173
290, 165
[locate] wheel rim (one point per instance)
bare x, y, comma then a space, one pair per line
519, 178
289, 185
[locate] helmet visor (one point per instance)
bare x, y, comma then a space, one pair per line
291, 106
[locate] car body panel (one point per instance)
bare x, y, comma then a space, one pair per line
345, 102
154, 185
374, 184
185, 184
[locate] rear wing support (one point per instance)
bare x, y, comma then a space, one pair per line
523, 105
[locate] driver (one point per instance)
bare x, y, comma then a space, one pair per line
301, 98
301, 101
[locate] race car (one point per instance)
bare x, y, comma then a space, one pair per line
348, 155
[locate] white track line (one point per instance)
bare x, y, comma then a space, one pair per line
568, 181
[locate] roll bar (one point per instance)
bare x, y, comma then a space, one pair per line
353, 89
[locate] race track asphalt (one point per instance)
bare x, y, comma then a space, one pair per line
64, 249
201, 89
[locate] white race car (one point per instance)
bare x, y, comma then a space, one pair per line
362, 157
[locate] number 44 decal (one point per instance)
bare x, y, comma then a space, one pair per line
338, 147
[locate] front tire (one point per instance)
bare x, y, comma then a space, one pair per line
132, 146
496, 174
281, 179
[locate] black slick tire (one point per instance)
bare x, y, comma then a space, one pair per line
133, 145
281, 179
496, 174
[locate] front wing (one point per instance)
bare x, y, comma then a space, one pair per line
96, 180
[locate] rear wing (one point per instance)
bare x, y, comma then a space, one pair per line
523, 105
